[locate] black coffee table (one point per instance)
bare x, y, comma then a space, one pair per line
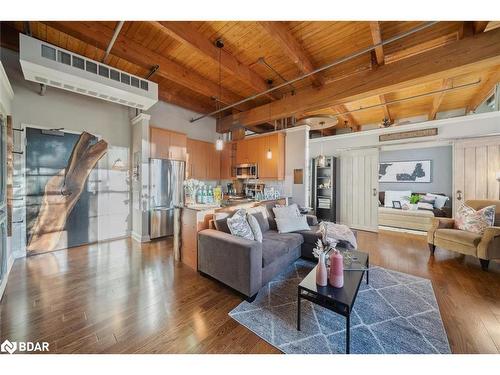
338, 300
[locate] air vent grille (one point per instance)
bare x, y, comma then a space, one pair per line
103, 70
48, 64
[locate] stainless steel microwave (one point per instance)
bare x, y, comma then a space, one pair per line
247, 171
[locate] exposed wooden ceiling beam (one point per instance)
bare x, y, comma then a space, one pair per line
385, 107
438, 99
484, 91
347, 119
135, 53
377, 38
480, 26
187, 34
461, 57
278, 30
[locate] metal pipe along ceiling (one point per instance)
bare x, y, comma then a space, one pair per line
118, 28
324, 67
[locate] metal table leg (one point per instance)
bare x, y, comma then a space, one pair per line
348, 334
298, 309
367, 269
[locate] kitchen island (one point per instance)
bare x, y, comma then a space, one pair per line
194, 218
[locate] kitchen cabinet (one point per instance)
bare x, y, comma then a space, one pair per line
227, 161
167, 144
203, 160
254, 150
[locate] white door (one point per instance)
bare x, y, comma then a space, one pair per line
475, 164
359, 189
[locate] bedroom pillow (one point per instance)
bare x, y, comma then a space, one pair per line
425, 206
396, 195
255, 226
292, 224
474, 221
238, 225
286, 211
440, 200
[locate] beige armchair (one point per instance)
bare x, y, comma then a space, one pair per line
484, 247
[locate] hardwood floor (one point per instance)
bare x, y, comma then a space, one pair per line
121, 297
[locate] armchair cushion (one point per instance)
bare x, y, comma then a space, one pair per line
436, 224
456, 235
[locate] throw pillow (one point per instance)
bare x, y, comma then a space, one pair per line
471, 220
254, 225
238, 225
262, 220
427, 199
220, 222
425, 206
440, 200
286, 211
292, 224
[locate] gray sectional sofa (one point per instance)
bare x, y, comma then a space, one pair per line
247, 265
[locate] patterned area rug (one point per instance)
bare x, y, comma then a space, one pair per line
396, 313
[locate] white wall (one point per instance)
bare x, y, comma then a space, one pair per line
168, 116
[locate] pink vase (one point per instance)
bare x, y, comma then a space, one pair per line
321, 272
336, 269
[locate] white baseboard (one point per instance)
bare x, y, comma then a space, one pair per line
139, 238
403, 230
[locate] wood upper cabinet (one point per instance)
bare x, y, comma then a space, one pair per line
254, 150
227, 160
167, 144
203, 160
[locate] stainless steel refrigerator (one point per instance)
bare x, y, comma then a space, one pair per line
165, 193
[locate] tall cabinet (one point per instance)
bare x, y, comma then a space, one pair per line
324, 186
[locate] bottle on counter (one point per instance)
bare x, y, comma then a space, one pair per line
210, 195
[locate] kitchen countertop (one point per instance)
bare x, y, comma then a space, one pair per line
226, 203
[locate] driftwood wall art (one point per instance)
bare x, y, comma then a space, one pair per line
62, 192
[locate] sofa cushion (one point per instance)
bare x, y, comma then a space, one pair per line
254, 225
469, 219
238, 225
291, 240
291, 224
272, 250
461, 236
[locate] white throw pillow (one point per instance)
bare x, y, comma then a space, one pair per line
286, 211
238, 225
254, 225
440, 200
292, 224
396, 195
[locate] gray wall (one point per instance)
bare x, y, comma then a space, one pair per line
441, 173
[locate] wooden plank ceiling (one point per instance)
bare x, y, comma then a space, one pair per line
260, 55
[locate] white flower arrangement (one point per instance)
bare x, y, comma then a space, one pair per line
320, 249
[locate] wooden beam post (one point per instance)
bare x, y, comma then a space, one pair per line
438, 99
283, 37
185, 33
377, 38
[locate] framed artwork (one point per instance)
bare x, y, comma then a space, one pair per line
405, 171
396, 204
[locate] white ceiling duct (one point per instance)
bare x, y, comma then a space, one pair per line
53, 66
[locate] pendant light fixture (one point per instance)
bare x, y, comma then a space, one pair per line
269, 154
219, 143
321, 157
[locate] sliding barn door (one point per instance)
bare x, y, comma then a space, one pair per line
475, 164
359, 189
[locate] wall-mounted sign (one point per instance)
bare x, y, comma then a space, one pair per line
408, 134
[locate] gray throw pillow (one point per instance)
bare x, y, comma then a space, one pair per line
221, 225
238, 225
254, 225
263, 222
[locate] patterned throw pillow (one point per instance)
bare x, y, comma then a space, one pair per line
238, 225
471, 220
